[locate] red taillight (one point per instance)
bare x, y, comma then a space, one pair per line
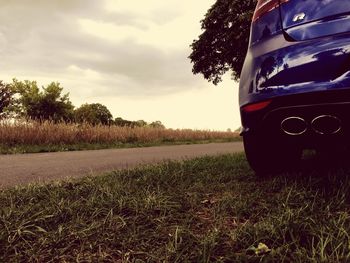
265, 6
256, 106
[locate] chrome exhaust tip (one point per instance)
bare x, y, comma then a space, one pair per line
326, 125
294, 126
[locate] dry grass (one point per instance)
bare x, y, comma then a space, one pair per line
34, 133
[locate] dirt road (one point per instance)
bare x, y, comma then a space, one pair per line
42, 167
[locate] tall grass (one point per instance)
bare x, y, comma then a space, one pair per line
35, 133
210, 209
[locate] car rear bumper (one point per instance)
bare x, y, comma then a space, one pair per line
309, 119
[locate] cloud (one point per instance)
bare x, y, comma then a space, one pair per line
134, 52
129, 55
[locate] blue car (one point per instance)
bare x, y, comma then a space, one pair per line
294, 89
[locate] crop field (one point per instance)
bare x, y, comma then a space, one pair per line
210, 209
20, 137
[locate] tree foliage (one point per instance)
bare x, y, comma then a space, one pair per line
123, 123
7, 99
140, 123
223, 44
94, 113
157, 124
126, 123
24, 99
47, 103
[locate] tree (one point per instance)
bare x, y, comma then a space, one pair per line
7, 99
94, 113
123, 123
140, 123
157, 124
45, 104
223, 44
119, 121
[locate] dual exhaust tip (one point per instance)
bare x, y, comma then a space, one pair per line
323, 124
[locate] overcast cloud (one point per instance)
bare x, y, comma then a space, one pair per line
136, 50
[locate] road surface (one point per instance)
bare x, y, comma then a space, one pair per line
22, 169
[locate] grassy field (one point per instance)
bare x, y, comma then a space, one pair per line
210, 209
25, 137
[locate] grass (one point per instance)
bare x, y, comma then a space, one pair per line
210, 209
40, 148
32, 137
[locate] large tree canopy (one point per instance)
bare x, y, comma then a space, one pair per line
47, 103
223, 44
94, 113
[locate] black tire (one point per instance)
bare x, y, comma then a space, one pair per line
268, 157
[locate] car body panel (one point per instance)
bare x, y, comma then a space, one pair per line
278, 65
295, 67
294, 90
303, 63
311, 10
320, 28
269, 25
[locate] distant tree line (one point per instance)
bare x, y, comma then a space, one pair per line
24, 99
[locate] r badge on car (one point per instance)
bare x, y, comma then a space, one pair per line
299, 17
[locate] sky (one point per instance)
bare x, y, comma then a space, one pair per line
130, 55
